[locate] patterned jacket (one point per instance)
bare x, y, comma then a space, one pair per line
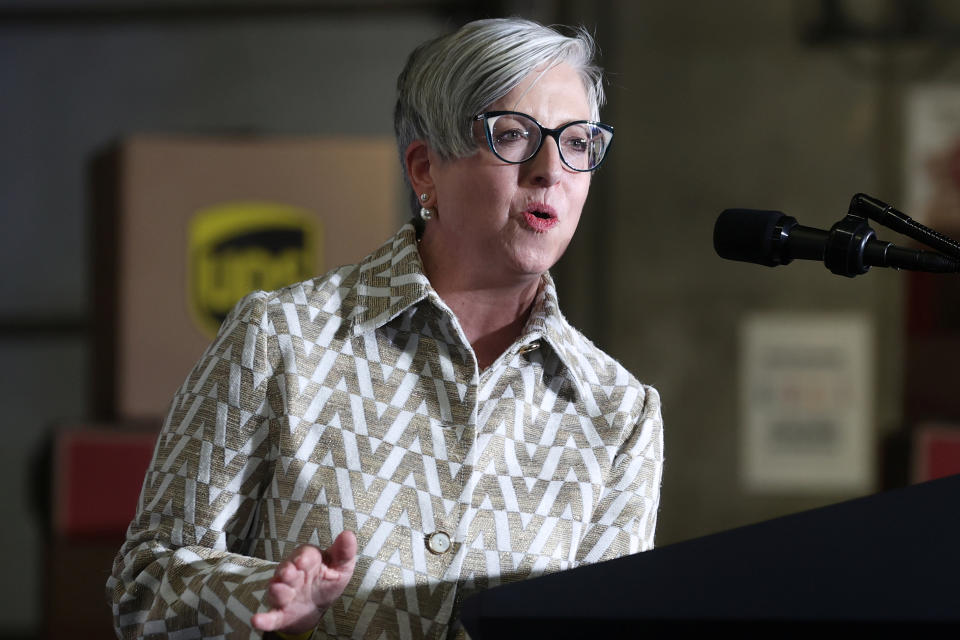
354, 401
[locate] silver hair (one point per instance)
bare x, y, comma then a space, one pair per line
451, 79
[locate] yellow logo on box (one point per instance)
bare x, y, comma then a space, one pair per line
238, 247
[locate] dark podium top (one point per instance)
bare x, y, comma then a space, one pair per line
889, 562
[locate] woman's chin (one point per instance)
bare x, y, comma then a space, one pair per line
533, 262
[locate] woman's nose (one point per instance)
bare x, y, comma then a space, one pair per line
545, 169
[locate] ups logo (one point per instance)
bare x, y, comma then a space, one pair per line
236, 248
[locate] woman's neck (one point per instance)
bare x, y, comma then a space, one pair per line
491, 319
492, 315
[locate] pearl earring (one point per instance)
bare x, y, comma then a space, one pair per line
425, 214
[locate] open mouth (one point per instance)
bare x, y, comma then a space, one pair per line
541, 210
540, 217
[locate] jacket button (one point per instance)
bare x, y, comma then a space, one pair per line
438, 542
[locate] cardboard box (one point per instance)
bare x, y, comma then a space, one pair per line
185, 226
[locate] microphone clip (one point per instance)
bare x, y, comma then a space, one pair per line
846, 244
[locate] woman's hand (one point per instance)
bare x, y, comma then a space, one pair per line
305, 584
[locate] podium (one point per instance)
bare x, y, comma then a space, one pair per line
888, 562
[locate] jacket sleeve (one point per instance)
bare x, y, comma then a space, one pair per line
182, 572
625, 516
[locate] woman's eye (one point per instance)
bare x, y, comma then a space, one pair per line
512, 135
576, 145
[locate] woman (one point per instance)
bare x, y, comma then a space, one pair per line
356, 454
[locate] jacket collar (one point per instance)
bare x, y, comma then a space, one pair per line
391, 279
547, 322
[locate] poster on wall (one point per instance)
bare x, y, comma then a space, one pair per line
807, 403
933, 156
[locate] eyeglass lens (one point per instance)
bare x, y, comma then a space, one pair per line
515, 138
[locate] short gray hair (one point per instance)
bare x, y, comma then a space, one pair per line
449, 80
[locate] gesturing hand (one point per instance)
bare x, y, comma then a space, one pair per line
305, 584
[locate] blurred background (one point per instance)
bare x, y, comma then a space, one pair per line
783, 389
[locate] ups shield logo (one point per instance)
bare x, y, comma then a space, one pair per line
236, 248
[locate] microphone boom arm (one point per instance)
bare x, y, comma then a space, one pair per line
882, 213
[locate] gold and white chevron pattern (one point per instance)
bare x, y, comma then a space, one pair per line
354, 401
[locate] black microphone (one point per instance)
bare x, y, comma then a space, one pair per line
850, 247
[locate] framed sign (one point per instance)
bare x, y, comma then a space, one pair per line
806, 403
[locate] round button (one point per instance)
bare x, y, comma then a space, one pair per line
438, 542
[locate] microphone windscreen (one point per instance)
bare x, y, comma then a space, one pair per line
747, 235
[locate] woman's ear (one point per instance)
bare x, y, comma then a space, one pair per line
417, 161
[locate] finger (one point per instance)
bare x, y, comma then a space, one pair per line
292, 575
280, 594
283, 568
308, 558
343, 551
267, 620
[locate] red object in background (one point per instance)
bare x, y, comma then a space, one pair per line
936, 450
98, 474
922, 310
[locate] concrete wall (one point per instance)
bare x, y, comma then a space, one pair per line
722, 105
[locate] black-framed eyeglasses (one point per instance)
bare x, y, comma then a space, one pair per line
515, 137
